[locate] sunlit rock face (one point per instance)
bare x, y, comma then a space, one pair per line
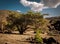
54, 23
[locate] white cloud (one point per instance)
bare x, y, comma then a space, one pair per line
57, 5
51, 3
44, 4
33, 5
18, 10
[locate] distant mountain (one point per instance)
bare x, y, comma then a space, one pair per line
52, 18
6, 13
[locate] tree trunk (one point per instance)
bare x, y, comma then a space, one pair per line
20, 29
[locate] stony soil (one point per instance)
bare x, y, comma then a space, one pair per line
21, 39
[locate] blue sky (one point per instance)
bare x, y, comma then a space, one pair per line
16, 5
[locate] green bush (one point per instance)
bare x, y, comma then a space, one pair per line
38, 38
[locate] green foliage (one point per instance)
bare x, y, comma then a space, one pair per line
21, 21
14, 28
38, 38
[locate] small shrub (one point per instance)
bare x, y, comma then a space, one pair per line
38, 38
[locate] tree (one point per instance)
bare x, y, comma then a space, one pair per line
28, 19
13, 20
32, 19
21, 21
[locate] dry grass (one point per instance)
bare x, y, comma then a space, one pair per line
20, 39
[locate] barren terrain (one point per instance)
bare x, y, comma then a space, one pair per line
21, 39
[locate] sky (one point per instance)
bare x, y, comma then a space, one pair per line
51, 7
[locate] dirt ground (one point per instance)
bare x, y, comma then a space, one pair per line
20, 39
14, 38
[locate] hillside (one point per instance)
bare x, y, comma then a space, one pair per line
52, 18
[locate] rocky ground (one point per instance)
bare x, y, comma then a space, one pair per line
21, 39
14, 38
